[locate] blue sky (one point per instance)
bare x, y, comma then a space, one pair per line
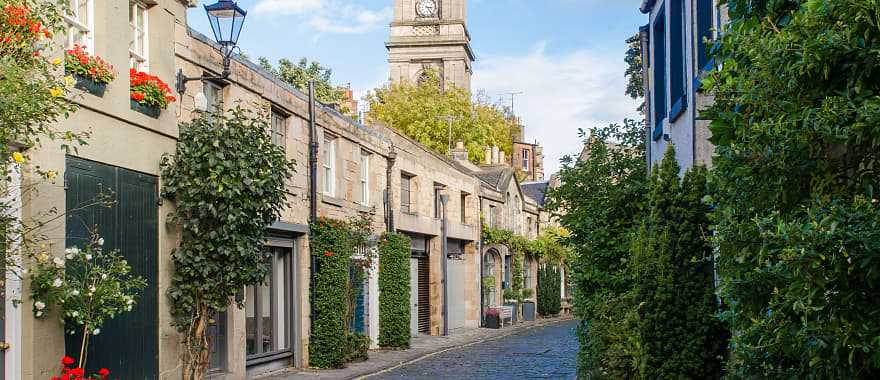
566, 56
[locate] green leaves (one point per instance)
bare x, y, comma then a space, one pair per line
394, 291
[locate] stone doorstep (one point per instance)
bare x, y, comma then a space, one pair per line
421, 347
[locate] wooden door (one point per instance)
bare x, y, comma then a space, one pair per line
128, 344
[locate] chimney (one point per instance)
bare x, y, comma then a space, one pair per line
494, 154
488, 158
501, 159
460, 153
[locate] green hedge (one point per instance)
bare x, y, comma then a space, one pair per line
394, 291
333, 244
549, 290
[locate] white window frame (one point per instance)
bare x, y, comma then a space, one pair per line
74, 24
328, 160
139, 60
525, 157
365, 178
279, 130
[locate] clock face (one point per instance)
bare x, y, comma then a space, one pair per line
426, 8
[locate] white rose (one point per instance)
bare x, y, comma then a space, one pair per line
69, 256
101, 241
128, 308
68, 251
129, 300
57, 283
74, 314
88, 256
91, 288
58, 261
74, 292
96, 332
104, 276
39, 305
39, 314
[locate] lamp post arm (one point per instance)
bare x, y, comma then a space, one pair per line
182, 78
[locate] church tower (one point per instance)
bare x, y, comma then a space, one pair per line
430, 34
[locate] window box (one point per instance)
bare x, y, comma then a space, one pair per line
149, 110
89, 85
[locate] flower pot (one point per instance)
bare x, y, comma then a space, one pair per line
493, 322
90, 86
151, 111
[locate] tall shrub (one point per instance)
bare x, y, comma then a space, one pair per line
673, 280
394, 290
795, 126
599, 202
226, 179
549, 290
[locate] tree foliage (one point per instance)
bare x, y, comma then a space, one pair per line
794, 123
394, 291
673, 279
300, 73
635, 86
227, 181
420, 111
549, 289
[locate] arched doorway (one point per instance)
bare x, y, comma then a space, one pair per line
491, 277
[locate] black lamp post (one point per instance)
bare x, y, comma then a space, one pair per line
226, 19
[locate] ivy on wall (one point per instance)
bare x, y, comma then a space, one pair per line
518, 246
226, 180
394, 291
549, 290
333, 243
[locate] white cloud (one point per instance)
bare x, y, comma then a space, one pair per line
561, 93
330, 16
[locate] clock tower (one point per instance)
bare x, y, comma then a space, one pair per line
430, 35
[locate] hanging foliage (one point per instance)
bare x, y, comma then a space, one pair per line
227, 181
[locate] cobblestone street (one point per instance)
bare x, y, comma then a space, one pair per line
546, 352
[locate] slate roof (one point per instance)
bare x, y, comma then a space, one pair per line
491, 175
536, 190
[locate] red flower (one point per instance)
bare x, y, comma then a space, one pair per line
65, 377
137, 96
67, 360
104, 372
77, 372
328, 254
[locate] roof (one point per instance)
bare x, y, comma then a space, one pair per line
647, 6
536, 190
492, 175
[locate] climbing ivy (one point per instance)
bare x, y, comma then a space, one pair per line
227, 183
394, 291
333, 243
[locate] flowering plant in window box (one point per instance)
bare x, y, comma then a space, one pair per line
92, 73
149, 94
89, 286
69, 372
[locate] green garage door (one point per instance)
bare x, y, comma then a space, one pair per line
128, 344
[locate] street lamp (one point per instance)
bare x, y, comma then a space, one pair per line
226, 19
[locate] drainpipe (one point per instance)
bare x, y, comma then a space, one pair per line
444, 198
389, 197
480, 255
313, 191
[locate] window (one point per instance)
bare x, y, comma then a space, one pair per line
213, 95
138, 47
491, 217
329, 162
705, 17
405, 193
267, 313
217, 342
529, 226
525, 159
527, 273
79, 24
365, 178
659, 73
279, 130
464, 208
438, 207
677, 60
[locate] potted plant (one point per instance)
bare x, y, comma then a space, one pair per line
528, 304
92, 74
493, 318
149, 94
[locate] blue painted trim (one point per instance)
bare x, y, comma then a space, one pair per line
678, 108
658, 130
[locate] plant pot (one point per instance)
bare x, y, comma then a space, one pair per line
528, 311
151, 111
493, 322
90, 86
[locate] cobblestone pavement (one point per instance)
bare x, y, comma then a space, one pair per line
546, 352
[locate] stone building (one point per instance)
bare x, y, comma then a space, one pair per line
431, 35
675, 46
527, 158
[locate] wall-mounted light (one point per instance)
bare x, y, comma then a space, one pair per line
226, 19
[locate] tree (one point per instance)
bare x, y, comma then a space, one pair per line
420, 111
635, 86
795, 127
600, 202
673, 279
299, 74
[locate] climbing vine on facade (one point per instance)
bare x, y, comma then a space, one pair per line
227, 182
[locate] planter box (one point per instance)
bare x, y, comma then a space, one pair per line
151, 111
493, 322
90, 86
528, 311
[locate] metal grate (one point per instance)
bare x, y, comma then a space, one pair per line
424, 297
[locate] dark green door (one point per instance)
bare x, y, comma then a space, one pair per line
128, 344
